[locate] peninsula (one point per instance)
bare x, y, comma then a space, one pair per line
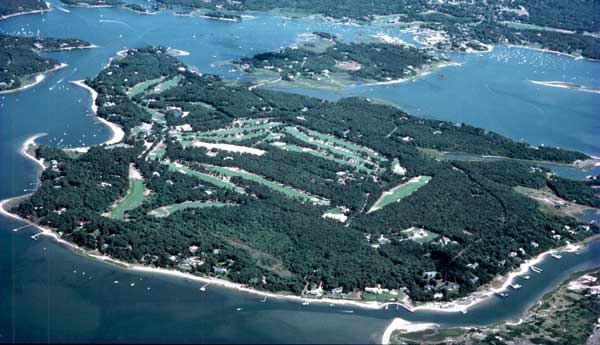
12, 8
20, 64
325, 61
295, 195
566, 315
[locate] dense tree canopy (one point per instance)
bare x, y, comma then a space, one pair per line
280, 163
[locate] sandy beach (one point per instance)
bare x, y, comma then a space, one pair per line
563, 85
484, 293
425, 71
403, 325
118, 133
38, 79
24, 148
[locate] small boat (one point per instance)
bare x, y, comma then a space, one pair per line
501, 294
536, 269
239, 309
116, 282
348, 311
556, 256
386, 307
464, 311
305, 303
263, 300
203, 288
516, 286
331, 304
526, 277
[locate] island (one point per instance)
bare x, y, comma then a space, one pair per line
11, 8
472, 26
290, 195
566, 85
96, 3
566, 315
20, 64
323, 60
219, 15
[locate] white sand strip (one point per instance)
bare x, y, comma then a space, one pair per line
23, 13
31, 141
229, 148
399, 324
118, 133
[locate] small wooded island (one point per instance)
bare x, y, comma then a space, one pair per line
324, 60
287, 193
20, 63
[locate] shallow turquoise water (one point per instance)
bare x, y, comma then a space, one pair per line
44, 295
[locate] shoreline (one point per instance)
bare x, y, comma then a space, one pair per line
117, 132
40, 77
404, 325
460, 305
90, 46
545, 50
565, 85
24, 13
423, 72
25, 146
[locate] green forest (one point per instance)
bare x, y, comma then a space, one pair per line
281, 162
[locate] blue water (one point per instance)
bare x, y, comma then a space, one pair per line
44, 295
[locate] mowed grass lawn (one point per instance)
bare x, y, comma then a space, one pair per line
276, 186
141, 87
165, 211
400, 191
134, 198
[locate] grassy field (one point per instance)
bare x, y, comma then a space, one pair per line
246, 131
289, 191
166, 85
165, 211
157, 153
401, 191
346, 144
336, 150
205, 177
383, 297
156, 116
134, 198
141, 87
312, 152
